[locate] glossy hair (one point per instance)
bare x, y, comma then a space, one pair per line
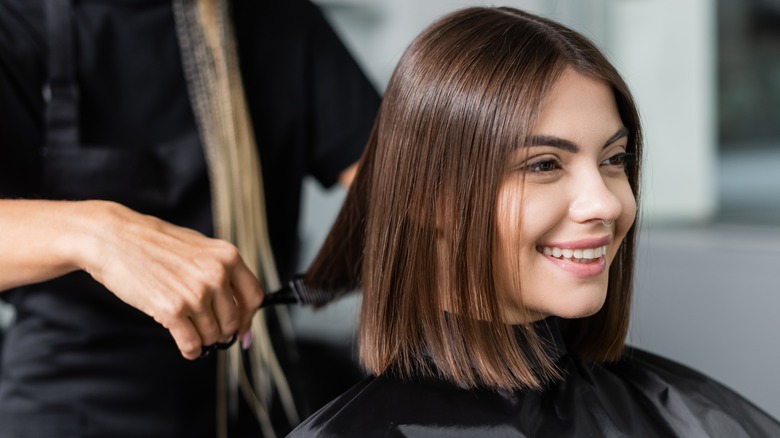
465, 94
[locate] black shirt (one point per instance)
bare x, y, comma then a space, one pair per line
311, 106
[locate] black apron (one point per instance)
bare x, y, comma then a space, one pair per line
79, 362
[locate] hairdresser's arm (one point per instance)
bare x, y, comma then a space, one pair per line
197, 287
348, 175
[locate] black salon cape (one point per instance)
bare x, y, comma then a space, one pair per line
643, 395
78, 362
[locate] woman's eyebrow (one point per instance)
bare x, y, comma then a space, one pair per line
556, 142
568, 145
620, 133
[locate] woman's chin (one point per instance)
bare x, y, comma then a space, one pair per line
567, 310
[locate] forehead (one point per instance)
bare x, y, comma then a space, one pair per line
578, 105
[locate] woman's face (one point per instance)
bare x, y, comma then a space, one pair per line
564, 206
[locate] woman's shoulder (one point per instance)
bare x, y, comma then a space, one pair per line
684, 398
645, 370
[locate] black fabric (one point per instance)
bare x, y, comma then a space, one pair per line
78, 361
643, 395
60, 91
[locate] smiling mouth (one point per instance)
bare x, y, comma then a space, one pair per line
580, 255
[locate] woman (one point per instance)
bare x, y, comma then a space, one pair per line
492, 224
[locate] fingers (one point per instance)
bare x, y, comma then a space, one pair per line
248, 295
213, 318
210, 325
230, 297
187, 338
241, 295
226, 313
215, 313
198, 287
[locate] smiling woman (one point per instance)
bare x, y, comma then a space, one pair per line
491, 230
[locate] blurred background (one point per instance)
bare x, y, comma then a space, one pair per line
706, 75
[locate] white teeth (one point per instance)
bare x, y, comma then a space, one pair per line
586, 253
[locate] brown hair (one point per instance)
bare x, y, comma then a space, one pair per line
464, 96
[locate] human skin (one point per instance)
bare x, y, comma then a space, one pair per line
566, 190
197, 287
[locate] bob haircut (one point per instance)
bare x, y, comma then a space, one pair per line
465, 94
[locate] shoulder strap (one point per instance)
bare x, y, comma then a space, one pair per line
61, 92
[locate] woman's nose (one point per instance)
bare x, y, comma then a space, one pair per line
594, 199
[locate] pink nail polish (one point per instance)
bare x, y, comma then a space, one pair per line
246, 340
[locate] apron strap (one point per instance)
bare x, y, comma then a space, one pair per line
61, 92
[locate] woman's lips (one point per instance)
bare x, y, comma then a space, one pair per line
583, 258
580, 255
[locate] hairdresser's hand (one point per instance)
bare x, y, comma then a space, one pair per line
197, 287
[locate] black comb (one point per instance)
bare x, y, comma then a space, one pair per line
294, 292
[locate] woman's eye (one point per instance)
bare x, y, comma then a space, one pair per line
547, 165
618, 160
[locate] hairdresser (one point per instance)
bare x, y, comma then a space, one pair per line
151, 158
